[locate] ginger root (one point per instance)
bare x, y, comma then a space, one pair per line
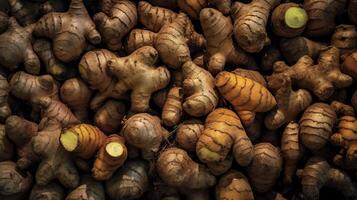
349, 65
172, 110
108, 118
5, 109
192, 7
234, 185
188, 133
6, 147
87, 190
138, 38
53, 191
25, 12
224, 6
4, 21
352, 11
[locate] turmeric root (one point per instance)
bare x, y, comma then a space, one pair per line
352, 11
187, 134
224, 6
177, 169
110, 157
138, 38
117, 22
345, 38
267, 158
16, 48
108, 118
318, 173
234, 185
246, 95
172, 110
76, 94
134, 72
349, 65
321, 79
249, 23
251, 74
192, 7
4, 21
130, 182
220, 48
199, 90
68, 31
87, 190
5, 109
6, 147
51, 191
223, 132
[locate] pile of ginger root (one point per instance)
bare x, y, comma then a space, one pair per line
178, 99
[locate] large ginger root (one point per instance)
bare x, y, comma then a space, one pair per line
55, 161
316, 125
4, 21
52, 191
68, 31
6, 147
345, 38
138, 38
349, 65
16, 48
234, 185
76, 94
267, 158
321, 79
192, 7
246, 96
290, 103
83, 140
220, 48
5, 109
318, 173
187, 134
289, 20
322, 15
172, 110
352, 11
176, 168
87, 190
110, 157
199, 90
249, 23
130, 182
223, 132
137, 73
115, 23
108, 118
21, 132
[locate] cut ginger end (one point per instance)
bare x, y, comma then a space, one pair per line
69, 140
295, 17
114, 149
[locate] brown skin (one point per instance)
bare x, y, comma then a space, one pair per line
321, 79
255, 130
345, 38
251, 74
130, 182
224, 6
5, 109
318, 173
4, 21
220, 47
192, 7
187, 134
87, 190
16, 48
109, 117
170, 4
135, 72
138, 38
221, 167
234, 185
52, 191
117, 22
352, 11
172, 110
159, 97
270, 55
69, 31
6, 147
161, 191
76, 94
199, 90
24, 11
349, 65
176, 168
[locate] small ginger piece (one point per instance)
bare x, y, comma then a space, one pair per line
199, 90
130, 182
108, 118
76, 94
6, 147
345, 38
5, 109
321, 79
172, 110
138, 38
4, 21
83, 140
267, 158
115, 23
349, 65
52, 191
188, 133
137, 73
110, 157
220, 47
289, 20
176, 168
68, 31
88, 189
352, 11
223, 131
234, 185
246, 96
192, 7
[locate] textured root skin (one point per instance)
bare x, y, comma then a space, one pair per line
130, 182
255, 130
246, 95
176, 168
16, 48
21, 131
105, 164
345, 38
199, 90
352, 11
172, 110
12, 182
251, 74
249, 23
25, 12
192, 7
68, 31
187, 134
116, 23
266, 158
217, 29
138, 38
316, 125
318, 173
349, 65
108, 118
342, 109
4, 21
159, 97
223, 131
76, 94
234, 185
270, 55
142, 63
51, 191
55, 161
224, 6
88, 189
321, 79
290, 103
89, 139
322, 15
219, 168
6, 147
5, 110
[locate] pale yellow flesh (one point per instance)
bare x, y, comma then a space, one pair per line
69, 140
295, 17
114, 149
